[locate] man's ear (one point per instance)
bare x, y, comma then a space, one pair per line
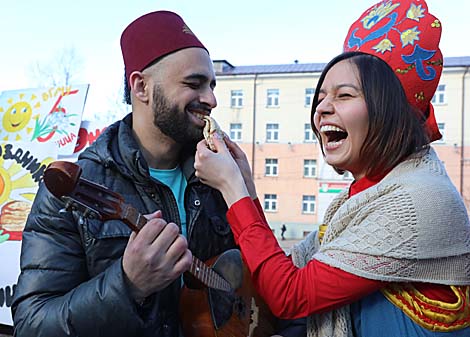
139, 86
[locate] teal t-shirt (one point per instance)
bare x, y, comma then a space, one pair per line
176, 181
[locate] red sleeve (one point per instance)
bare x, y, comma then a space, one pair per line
260, 209
289, 291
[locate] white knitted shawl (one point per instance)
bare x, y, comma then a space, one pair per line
411, 226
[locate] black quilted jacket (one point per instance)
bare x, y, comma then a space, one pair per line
71, 281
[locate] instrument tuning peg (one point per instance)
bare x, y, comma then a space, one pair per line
89, 213
86, 213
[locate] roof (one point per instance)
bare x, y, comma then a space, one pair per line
458, 61
229, 69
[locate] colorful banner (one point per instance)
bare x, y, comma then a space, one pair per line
87, 134
37, 126
43, 115
10, 252
22, 165
333, 186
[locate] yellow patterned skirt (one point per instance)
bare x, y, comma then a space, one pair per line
431, 314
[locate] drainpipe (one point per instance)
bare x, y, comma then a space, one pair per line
462, 141
253, 141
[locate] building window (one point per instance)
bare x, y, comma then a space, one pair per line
271, 167
442, 129
270, 202
236, 131
309, 93
440, 95
236, 98
273, 98
308, 204
309, 136
310, 168
272, 132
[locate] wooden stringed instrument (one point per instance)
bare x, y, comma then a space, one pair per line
221, 302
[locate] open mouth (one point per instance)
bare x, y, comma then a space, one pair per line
198, 118
198, 115
334, 134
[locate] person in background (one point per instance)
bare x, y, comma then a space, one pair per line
392, 257
86, 277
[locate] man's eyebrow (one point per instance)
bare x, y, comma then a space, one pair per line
201, 78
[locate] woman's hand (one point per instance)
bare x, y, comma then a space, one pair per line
240, 158
220, 170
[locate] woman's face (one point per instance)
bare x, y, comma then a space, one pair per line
342, 118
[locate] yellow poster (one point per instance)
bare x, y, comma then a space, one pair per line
22, 165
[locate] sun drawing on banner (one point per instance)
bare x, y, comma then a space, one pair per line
16, 196
16, 117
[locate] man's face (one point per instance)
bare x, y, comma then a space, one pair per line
173, 121
183, 95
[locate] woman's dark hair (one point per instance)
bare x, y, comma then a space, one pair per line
395, 127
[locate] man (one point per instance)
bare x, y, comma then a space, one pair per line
283, 230
86, 277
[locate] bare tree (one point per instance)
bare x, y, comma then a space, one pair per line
117, 108
61, 70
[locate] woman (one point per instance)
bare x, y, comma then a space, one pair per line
394, 259
392, 231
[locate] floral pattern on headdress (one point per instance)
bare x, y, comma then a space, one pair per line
405, 35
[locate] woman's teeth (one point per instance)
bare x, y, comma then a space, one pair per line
326, 128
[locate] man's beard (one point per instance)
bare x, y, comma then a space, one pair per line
173, 122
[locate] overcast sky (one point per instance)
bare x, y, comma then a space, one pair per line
242, 32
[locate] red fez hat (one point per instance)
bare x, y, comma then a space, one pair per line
153, 36
406, 36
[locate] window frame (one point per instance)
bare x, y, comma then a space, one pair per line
309, 168
309, 94
311, 135
442, 130
272, 132
307, 204
233, 132
236, 101
440, 96
271, 165
270, 203
272, 98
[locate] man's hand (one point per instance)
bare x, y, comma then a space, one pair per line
155, 257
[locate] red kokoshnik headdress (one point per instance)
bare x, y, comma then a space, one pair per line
406, 36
